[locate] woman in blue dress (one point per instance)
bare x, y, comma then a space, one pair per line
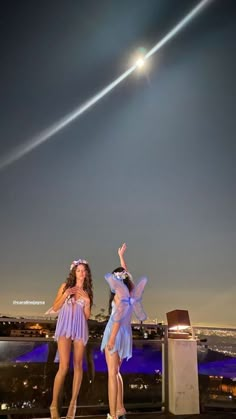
73, 302
117, 339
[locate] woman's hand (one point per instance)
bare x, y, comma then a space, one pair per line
83, 294
70, 291
122, 250
78, 292
111, 344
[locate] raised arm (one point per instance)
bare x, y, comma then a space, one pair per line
121, 252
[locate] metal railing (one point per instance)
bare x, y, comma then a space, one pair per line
28, 366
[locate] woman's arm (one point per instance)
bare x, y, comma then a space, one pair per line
87, 309
121, 252
114, 330
62, 296
112, 338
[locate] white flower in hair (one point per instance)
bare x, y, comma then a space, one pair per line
120, 275
78, 262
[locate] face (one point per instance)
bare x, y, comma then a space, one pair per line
80, 274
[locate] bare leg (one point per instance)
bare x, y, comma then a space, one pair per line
113, 363
120, 396
78, 375
64, 347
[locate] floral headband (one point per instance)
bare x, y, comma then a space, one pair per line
78, 262
121, 275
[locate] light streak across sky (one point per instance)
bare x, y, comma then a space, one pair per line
45, 135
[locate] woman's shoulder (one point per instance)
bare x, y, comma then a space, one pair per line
61, 287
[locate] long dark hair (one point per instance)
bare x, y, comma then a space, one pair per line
88, 282
127, 281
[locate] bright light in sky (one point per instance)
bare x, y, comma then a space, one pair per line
45, 135
140, 62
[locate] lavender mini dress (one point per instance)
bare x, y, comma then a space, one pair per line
129, 302
71, 321
123, 341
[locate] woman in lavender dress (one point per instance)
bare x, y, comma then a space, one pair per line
125, 298
73, 301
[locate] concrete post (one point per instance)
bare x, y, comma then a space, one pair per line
183, 377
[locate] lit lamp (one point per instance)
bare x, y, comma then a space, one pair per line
178, 322
183, 390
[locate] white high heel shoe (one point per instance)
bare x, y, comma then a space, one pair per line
121, 413
73, 406
54, 412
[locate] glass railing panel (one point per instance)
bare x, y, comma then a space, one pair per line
217, 368
28, 368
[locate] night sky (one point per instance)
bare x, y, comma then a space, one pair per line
152, 164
